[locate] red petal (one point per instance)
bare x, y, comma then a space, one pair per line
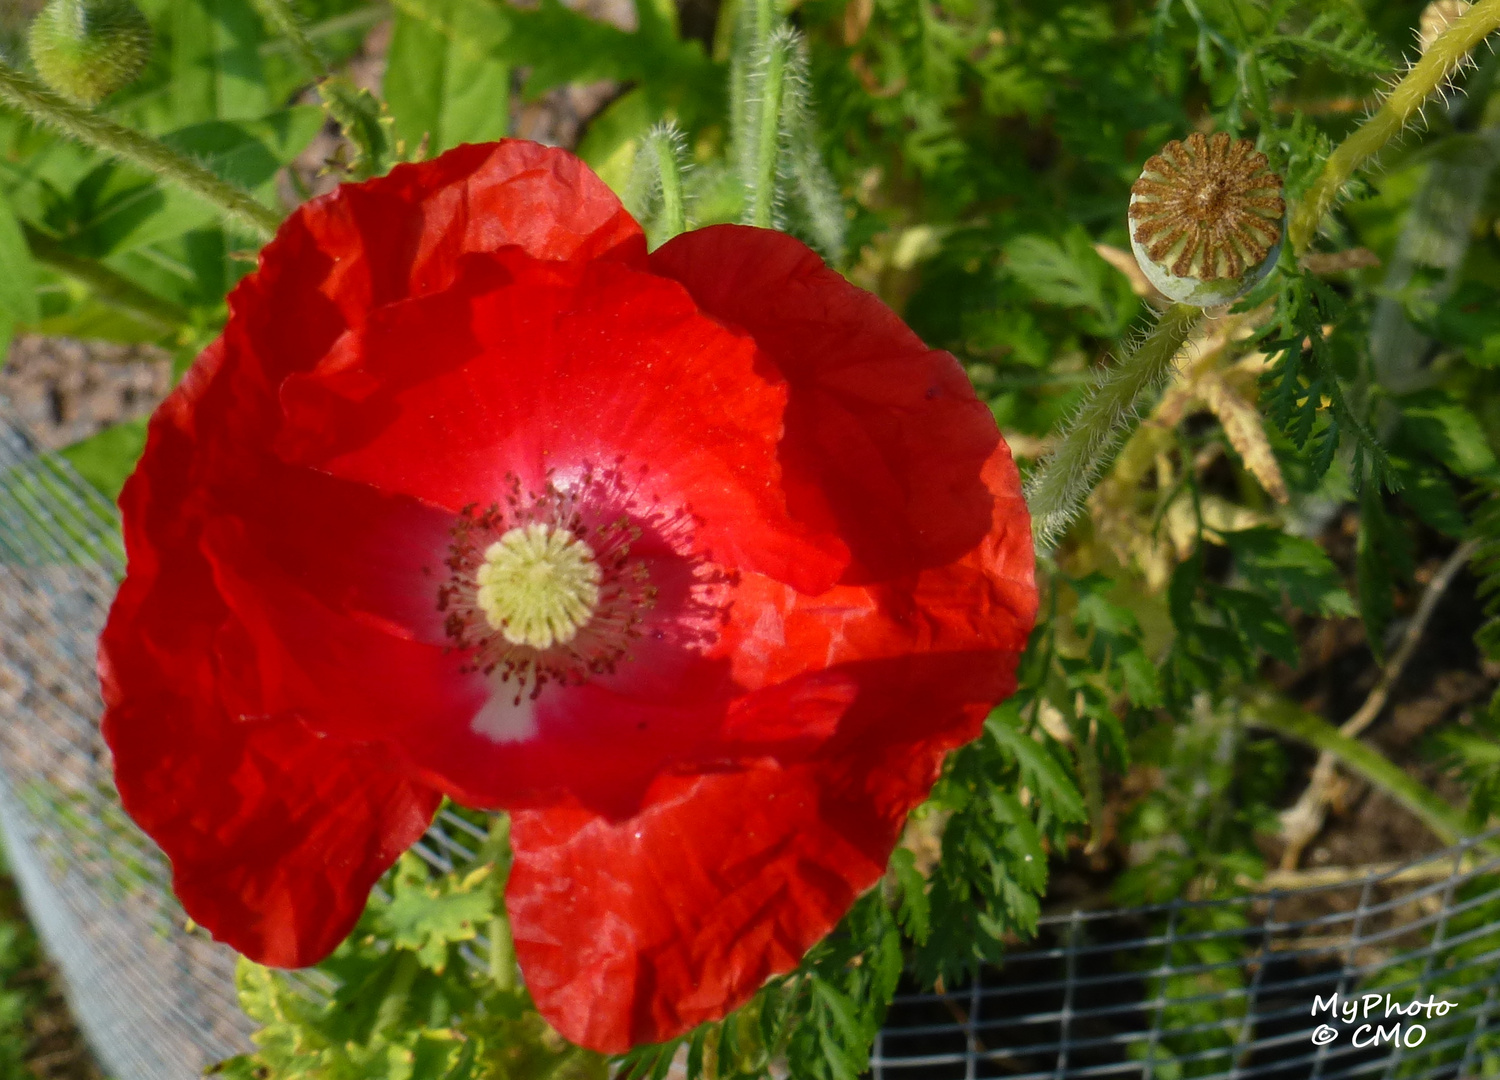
636, 931
535, 368
362, 553
884, 437
985, 601
342, 256
275, 833
353, 676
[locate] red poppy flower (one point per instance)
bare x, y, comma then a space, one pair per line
698, 562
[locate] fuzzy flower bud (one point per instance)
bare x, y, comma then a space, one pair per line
88, 49
1207, 219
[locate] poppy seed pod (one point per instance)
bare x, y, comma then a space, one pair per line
1207, 219
88, 49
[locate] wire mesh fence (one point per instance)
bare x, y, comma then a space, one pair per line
1388, 974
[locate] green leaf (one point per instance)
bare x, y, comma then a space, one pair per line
442, 79
1450, 433
1275, 562
916, 910
215, 61
1071, 274
1381, 553
248, 152
1040, 771
1432, 497
674, 72
434, 1055
106, 459
18, 277
1259, 622
428, 916
119, 208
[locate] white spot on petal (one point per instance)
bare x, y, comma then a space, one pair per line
504, 719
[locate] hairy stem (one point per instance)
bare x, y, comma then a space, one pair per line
1109, 413
673, 215
1436, 66
284, 21
44, 107
766, 86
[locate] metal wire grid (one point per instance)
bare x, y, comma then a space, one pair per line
1228, 988
1220, 989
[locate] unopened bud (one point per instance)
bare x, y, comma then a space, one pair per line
1207, 219
88, 49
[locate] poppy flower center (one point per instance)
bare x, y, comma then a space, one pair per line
543, 587
538, 586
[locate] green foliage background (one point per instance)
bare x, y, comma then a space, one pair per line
983, 151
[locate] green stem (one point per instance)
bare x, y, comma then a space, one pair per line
1440, 61
1109, 413
767, 133
396, 997
110, 287
765, 20
360, 19
44, 107
673, 215
1275, 713
284, 21
502, 953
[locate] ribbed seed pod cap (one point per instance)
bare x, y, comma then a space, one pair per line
1207, 219
88, 49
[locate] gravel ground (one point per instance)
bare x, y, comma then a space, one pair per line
61, 391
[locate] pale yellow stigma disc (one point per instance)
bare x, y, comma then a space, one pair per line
539, 585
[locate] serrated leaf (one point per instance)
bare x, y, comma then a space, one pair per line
1378, 554
463, 1066
1259, 622
434, 1055
1450, 433
915, 911
1040, 771
1095, 612
1433, 499
428, 916
674, 71
1141, 679
1277, 562
1071, 274
117, 208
